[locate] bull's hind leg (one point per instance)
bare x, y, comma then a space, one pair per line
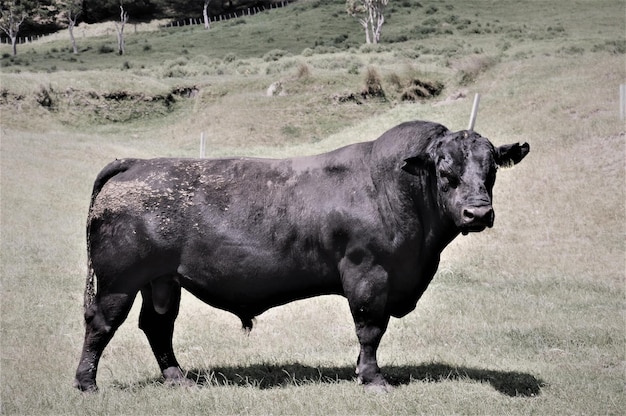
161, 302
102, 318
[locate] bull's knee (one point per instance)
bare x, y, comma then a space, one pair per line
162, 290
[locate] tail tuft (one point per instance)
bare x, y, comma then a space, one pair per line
90, 287
246, 324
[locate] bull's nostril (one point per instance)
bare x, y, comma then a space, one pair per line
478, 215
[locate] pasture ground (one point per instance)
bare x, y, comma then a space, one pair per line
525, 318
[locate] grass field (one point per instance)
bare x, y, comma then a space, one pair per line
525, 318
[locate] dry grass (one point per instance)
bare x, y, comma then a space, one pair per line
469, 68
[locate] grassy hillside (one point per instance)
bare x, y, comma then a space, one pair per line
525, 318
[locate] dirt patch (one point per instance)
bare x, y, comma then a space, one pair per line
74, 105
420, 90
412, 90
9, 98
455, 96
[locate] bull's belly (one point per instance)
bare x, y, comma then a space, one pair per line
248, 282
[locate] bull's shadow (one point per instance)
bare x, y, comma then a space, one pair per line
267, 376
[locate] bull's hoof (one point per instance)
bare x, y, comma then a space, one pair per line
85, 387
174, 377
377, 385
378, 388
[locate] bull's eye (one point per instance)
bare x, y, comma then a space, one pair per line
449, 179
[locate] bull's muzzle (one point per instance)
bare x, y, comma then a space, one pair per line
475, 219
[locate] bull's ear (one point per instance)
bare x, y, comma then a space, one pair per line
511, 154
416, 164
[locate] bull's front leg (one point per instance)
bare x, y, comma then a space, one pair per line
370, 334
366, 289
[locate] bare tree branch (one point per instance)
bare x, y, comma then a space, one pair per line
121, 44
10, 25
205, 14
369, 13
72, 22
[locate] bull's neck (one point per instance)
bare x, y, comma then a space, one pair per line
438, 230
415, 212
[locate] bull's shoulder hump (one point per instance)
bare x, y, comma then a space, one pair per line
414, 129
338, 160
407, 139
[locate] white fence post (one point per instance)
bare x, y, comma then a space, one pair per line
202, 146
472, 121
622, 101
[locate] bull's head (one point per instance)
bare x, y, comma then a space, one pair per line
464, 166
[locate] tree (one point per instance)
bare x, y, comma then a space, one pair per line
71, 9
11, 18
121, 45
205, 14
72, 17
369, 13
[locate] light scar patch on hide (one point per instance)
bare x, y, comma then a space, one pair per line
116, 197
158, 193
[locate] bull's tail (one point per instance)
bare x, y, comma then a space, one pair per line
114, 168
90, 286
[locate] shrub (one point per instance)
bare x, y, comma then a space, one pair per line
397, 39
373, 84
354, 69
423, 30
275, 55
45, 97
470, 68
615, 47
395, 80
341, 38
374, 48
418, 89
303, 71
572, 50
105, 49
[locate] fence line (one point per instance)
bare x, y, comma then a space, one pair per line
22, 39
233, 15
191, 21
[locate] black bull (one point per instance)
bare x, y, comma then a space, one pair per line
367, 221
